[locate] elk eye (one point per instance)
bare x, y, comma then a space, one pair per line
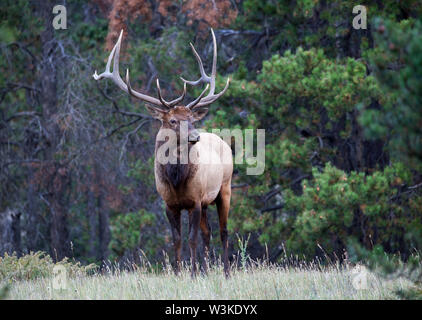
172, 121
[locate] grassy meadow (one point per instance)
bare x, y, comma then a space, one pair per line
257, 281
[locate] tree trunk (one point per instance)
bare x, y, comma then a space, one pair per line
92, 222
103, 230
10, 232
57, 175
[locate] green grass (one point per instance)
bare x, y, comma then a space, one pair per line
259, 281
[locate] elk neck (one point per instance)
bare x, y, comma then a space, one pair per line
176, 174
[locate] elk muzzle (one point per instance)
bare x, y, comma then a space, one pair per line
193, 136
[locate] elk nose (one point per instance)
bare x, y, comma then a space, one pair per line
193, 136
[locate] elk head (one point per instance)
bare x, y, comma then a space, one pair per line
169, 112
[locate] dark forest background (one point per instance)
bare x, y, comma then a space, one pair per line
341, 109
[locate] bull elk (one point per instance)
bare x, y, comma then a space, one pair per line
196, 184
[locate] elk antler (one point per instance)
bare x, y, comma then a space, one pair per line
210, 97
115, 76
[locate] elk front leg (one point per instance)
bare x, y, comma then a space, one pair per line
194, 219
173, 216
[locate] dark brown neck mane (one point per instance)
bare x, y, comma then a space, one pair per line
176, 174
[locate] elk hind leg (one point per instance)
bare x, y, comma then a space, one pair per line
223, 207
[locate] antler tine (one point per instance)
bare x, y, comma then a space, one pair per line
180, 99
107, 73
214, 64
164, 102
211, 97
115, 76
204, 77
196, 101
170, 104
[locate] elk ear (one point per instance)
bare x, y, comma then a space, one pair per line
199, 113
155, 112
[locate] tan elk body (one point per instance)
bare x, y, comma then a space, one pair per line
205, 178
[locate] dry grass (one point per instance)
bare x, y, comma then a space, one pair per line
260, 281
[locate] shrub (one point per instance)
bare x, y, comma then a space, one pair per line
37, 265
